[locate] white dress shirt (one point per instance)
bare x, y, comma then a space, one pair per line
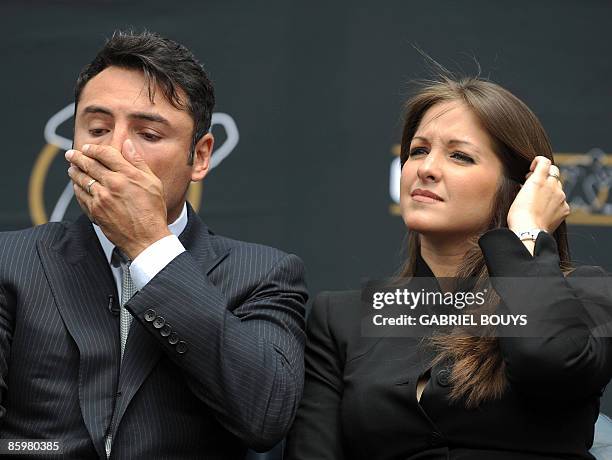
150, 261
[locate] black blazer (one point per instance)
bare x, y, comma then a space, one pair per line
360, 393
213, 361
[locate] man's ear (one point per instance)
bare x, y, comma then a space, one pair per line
201, 157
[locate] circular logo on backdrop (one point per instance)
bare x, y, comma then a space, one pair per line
56, 145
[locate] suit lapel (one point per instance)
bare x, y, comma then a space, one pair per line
142, 351
81, 282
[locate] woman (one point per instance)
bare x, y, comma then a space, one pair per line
481, 197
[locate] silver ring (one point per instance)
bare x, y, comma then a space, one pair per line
89, 184
556, 176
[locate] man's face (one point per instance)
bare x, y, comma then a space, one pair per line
115, 106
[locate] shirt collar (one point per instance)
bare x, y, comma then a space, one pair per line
175, 227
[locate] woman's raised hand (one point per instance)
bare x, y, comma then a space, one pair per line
541, 201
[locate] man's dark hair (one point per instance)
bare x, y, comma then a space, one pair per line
164, 63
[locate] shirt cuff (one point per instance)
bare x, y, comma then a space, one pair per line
153, 260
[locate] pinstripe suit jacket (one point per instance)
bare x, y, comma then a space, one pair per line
238, 307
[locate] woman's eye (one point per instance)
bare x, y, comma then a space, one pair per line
417, 151
462, 157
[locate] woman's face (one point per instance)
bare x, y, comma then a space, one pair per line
451, 176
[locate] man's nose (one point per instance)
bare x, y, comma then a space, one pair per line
430, 168
119, 135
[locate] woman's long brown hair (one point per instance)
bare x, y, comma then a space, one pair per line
478, 371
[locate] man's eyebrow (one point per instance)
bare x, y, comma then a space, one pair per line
149, 117
96, 109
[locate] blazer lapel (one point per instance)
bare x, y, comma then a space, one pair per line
81, 283
196, 239
141, 354
142, 351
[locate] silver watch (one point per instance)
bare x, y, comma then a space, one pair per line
528, 235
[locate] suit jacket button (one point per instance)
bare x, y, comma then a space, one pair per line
173, 338
181, 347
443, 377
159, 322
166, 330
150, 315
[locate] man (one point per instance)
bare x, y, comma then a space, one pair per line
135, 332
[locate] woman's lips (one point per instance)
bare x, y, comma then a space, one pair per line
425, 196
